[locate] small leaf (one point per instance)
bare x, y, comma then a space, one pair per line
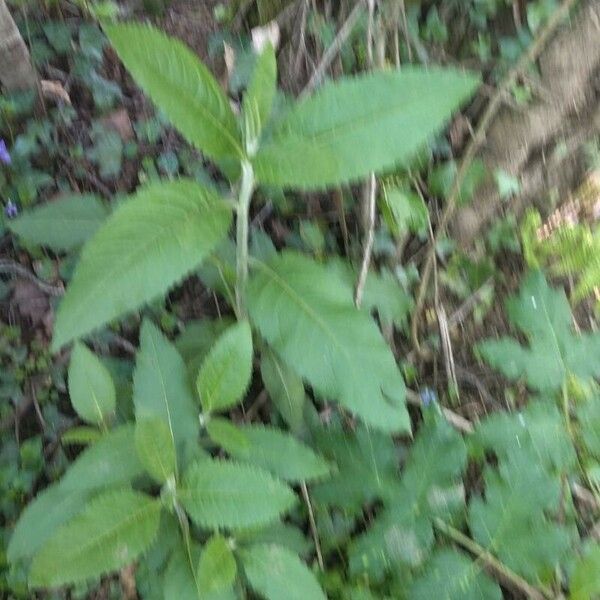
112, 460
145, 247
306, 312
112, 532
585, 581
42, 517
452, 576
225, 373
155, 448
322, 140
220, 494
62, 224
217, 568
180, 85
268, 448
278, 574
258, 99
91, 387
161, 388
285, 389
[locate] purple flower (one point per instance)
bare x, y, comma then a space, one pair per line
428, 396
11, 210
4, 154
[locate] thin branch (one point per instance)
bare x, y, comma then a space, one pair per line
10, 267
333, 50
508, 577
370, 239
313, 525
479, 137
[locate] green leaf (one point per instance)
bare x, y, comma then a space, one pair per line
112, 532
278, 574
512, 522
146, 246
450, 575
180, 85
322, 140
544, 316
588, 417
161, 388
217, 568
585, 581
42, 517
62, 224
280, 534
258, 99
155, 447
91, 387
404, 211
225, 373
268, 448
220, 494
179, 582
112, 460
306, 313
285, 388
431, 486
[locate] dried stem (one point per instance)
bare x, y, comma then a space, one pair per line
313, 525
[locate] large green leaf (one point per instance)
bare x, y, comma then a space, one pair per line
91, 387
155, 447
43, 516
358, 125
514, 521
225, 373
543, 314
220, 494
62, 224
112, 532
269, 448
112, 460
285, 388
431, 486
306, 313
147, 245
585, 582
180, 85
450, 575
161, 388
278, 574
217, 568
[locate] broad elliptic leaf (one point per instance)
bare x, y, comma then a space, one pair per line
49, 510
285, 388
323, 140
306, 313
268, 448
451, 575
543, 314
220, 494
61, 224
161, 388
278, 574
111, 461
258, 99
217, 568
155, 448
91, 387
225, 373
180, 85
112, 532
145, 247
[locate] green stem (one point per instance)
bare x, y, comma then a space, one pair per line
187, 539
243, 213
567, 410
508, 577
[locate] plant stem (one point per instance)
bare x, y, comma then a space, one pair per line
508, 577
566, 409
243, 212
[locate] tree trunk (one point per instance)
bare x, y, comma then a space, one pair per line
16, 70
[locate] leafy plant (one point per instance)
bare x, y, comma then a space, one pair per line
297, 312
